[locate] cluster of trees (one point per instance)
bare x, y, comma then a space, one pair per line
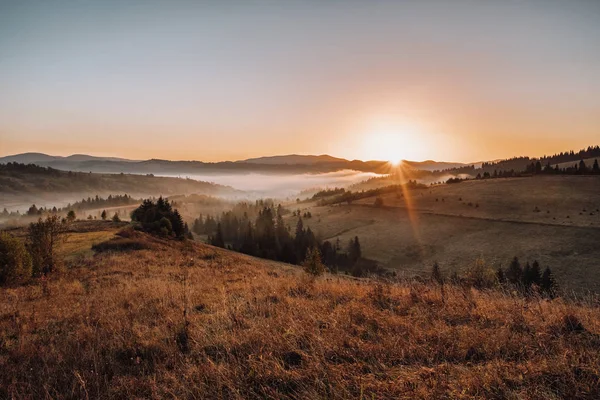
16, 169
92, 203
349, 196
38, 255
268, 236
160, 218
528, 279
231, 220
305, 215
79, 206
536, 168
528, 276
328, 193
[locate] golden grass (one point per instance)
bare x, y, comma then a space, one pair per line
115, 327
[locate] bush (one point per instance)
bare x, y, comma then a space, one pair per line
312, 263
43, 239
15, 261
122, 244
480, 275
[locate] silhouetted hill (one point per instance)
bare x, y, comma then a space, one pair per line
294, 159
25, 184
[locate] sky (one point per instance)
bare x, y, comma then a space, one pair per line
225, 80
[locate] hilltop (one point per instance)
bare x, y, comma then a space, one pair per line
21, 185
187, 320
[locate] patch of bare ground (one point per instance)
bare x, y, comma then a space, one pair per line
185, 320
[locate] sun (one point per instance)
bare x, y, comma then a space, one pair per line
392, 144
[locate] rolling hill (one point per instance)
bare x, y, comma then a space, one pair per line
187, 320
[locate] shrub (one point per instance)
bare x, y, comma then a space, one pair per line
15, 261
312, 263
71, 216
43, 239
122, 244
480, 275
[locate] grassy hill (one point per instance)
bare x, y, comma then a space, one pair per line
552, 219
21, 185
186, 320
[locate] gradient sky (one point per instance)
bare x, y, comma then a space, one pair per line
216, 80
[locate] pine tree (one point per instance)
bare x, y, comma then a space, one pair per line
312, 264
71, 216
526, 276
103, 215
547, 283
500, 275
535, 275
436, 274
514, 272
217, 240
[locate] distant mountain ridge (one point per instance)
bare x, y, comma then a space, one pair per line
294, 159
282, 164
32, 158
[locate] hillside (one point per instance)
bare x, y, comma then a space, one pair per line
186, 320
552, 219
22, 185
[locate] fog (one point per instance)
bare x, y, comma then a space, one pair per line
280, 185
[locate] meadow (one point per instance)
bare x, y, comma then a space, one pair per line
552, 219
187, 320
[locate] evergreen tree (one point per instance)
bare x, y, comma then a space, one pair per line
436, 274
547, 283
526, 276
354, 251
71, 216
500, 275
217, 240
312, 263
596, 167
103, 215
535, 275
514, 272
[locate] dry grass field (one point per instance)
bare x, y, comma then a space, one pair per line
555, 220
186, 320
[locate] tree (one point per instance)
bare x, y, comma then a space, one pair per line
378, 202
15, 261
436, 274
103, 215
514, 272
500, 275
218, 240
116, 218
547, 283
596, 167
354, 251
33, 210
312, 264
71, 216
43, 239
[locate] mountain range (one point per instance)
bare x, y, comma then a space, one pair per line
293, 163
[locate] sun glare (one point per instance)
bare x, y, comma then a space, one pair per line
393, 144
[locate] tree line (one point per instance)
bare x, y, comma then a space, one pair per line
268, 236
